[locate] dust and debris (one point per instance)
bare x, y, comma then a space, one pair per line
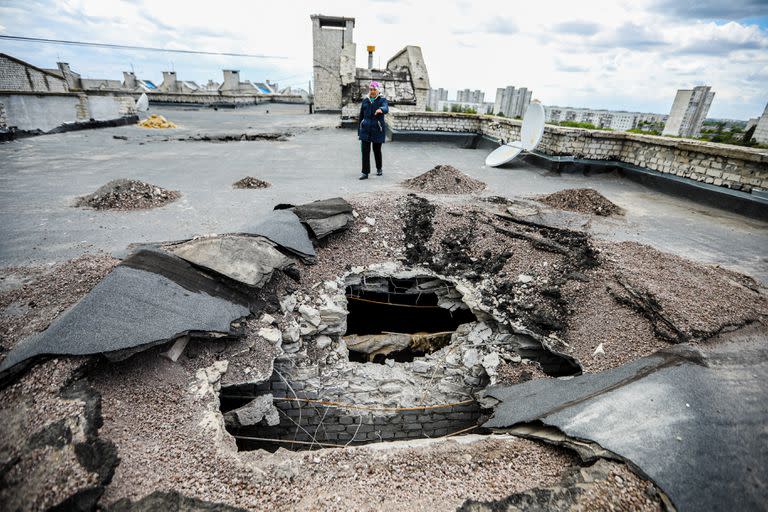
45, 293
604, 486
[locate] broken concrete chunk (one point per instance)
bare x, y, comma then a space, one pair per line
524, 278
471, 358
479, 334
259, 409
176, 349
271, 334
333, 314
247, 259
370, 221
390, 387
291, 348
291, 333
421, 366
310, 314
490, 362
306, 329
288, 303
323, 342
266, 318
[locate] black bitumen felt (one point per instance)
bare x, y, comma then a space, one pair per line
321, 228
13, 134
322, 209
150, 298
325, 216
285, 229
692, 421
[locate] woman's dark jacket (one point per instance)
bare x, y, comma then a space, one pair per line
372, 128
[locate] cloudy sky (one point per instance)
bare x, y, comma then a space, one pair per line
613, 54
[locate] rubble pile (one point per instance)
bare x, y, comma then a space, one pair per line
124, 194
156, 121
582, 200
251, 182
444, 179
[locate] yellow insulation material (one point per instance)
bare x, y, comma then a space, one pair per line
156, 121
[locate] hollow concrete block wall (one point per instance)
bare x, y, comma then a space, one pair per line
734, 167
302, 421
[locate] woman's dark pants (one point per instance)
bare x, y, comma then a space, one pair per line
366, 149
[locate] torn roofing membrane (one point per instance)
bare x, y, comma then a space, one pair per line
155, 296
151, 297
285, 229
691, 420
325, 216
247, 259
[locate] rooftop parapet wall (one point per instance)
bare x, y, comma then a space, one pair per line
735, 167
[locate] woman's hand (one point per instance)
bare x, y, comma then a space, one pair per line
378, 111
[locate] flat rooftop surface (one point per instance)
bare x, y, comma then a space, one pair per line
41, 177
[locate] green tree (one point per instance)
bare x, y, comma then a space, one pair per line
500, 114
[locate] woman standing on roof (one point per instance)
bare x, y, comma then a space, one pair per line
372, 128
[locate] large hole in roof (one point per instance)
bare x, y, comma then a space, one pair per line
401, 319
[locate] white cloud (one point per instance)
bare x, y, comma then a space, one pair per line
630, 54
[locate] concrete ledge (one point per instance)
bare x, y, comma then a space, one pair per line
750, 205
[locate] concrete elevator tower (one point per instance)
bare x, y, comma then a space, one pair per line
333, 59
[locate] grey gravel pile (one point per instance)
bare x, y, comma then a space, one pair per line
251, 182
582, 200
125, 194
444, 179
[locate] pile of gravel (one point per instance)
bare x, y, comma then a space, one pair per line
444, 179
125, 194
583, 200
251, 182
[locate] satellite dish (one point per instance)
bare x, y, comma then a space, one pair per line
530, 136
533, 126
142, 104
502, 155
